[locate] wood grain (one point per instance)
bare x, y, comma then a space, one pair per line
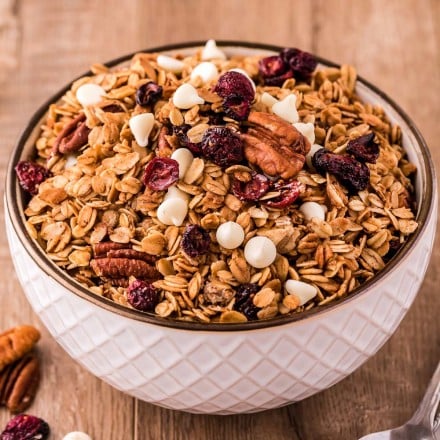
394, 44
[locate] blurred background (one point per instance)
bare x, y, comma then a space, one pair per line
395, 44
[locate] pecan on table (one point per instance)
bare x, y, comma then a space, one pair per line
73, 136
274, 145
19, 383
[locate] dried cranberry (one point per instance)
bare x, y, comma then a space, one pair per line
252, 190
289, 192
244, 295
30, 175
160, 173
195, 241
25, 427
113, 108
236, 107
222, 146
350, 172
181, 132
395, 246
235, 83
301, 63
364, 148
142, 295
278, 81
272, 66
148, 94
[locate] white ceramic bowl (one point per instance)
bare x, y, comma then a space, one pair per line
216, 368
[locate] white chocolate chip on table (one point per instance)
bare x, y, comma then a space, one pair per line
89, 94
141, 126
184, 158
169, 63
212, 52
206, 70
304, 292
230, 235
260, 252
186, 96
77, 435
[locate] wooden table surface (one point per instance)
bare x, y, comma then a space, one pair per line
394, 44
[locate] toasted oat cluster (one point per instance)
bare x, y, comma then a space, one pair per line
219, 189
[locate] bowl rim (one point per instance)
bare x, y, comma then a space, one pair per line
60, 276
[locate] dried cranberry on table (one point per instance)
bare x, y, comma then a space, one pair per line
253, 190
350, 172
142, 295
237, 93
222, 146
181, 132
195, 241
244, 296
289, 192
30, 175
25, 427
161, 173
148, 94
364, 148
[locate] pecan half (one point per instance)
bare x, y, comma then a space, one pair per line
101, 249
123, 268
16, 342
274, 145
20, 384
132, 254
72, 137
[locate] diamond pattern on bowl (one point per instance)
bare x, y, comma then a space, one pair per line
224, 373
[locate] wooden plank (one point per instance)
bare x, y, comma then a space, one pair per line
55, 46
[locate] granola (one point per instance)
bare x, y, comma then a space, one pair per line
294, 156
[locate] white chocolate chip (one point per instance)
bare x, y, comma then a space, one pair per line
172, 211
175, 193
314, 148
184, 158
211, 51
186, 97
260, 252
77, 435
169, 63
303, 291
268, 99
89, 94
313, 210
307, 130
206, 70
71, 161
141, 126
286, 109
230, 235
243, 72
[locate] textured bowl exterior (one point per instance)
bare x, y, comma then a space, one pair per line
223, 372
227, 372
